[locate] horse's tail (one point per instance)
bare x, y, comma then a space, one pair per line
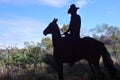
107, 61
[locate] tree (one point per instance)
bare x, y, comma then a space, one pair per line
46, 44
64, 28
110, 35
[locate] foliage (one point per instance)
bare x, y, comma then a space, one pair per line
64, 28
46, 44
110, 35
20, 57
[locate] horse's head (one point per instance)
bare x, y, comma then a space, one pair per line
51, 27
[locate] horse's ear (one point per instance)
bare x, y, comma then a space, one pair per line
55, 20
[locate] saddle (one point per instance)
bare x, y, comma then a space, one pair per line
71, 40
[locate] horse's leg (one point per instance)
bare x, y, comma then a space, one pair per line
99, 75
95, 71
92, 69
93, 77
60, 70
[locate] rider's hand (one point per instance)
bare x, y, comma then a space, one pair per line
65, 33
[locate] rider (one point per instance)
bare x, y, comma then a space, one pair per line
73, 33
75, 22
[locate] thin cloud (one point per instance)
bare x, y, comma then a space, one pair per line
112, 10
56, 3
20, 30
82, 3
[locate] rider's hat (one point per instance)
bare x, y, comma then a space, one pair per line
72, 8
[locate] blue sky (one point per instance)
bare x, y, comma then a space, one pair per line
25, 20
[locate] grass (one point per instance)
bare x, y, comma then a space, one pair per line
79, 71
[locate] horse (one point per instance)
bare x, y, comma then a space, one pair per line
86, 48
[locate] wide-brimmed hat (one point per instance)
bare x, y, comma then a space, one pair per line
72, 8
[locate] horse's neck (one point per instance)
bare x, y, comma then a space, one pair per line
56, 39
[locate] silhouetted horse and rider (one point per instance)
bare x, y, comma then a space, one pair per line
72, 48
